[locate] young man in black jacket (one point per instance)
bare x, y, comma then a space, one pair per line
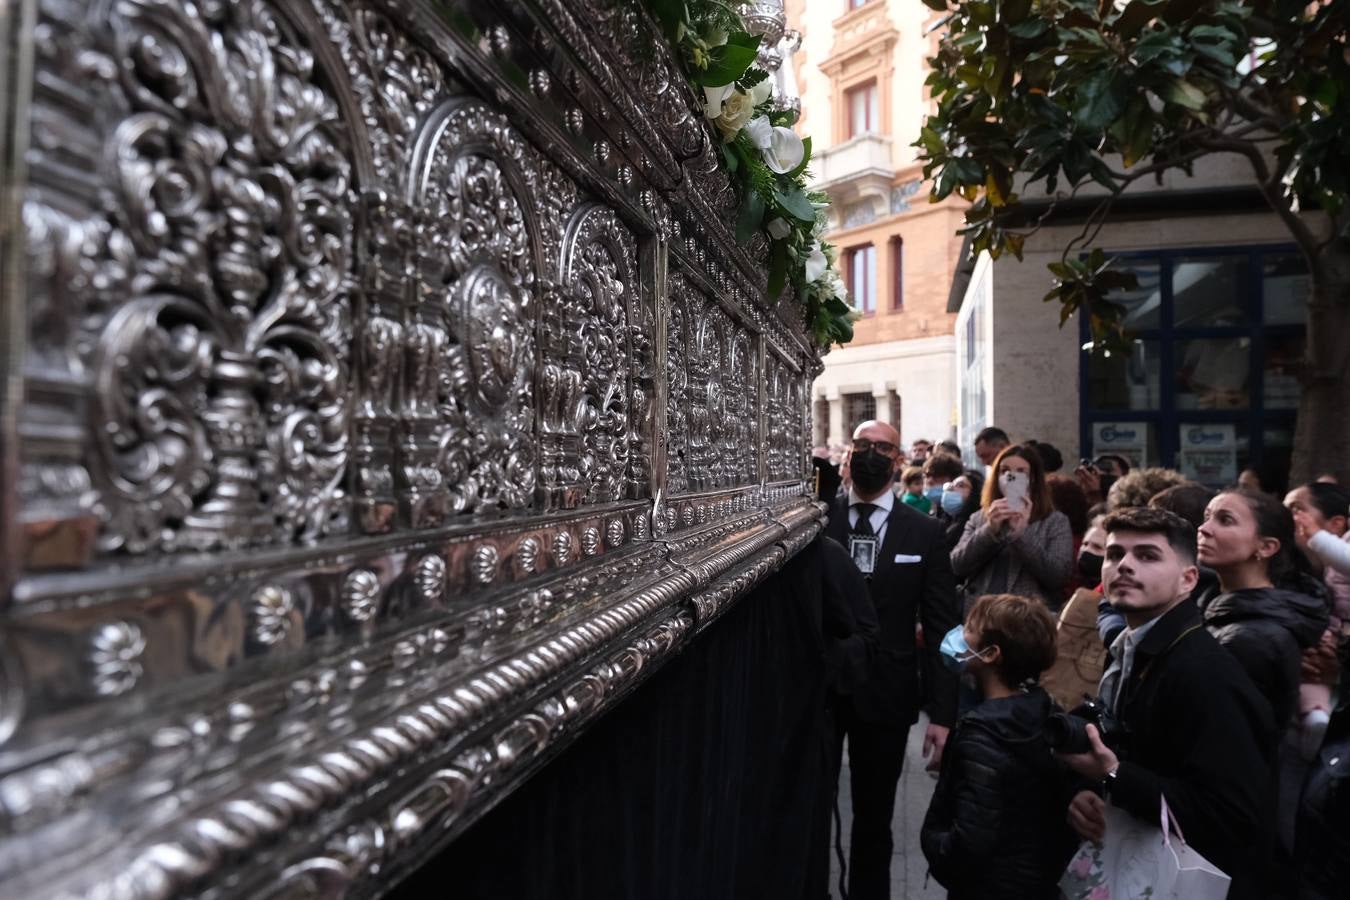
1196, 730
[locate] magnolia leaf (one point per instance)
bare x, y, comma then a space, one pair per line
778, 262
1098, 101
1136, 15
1183, 93
981, 12
751, 215
1155, 45
729, 62
1220, 54
1065, 312
996, 188
1031, 28
931, 142
731, 157
796, 203
1200, 32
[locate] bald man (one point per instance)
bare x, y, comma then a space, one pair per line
909, 576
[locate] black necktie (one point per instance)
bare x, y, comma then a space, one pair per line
864, 526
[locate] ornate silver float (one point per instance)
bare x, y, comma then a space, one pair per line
386, 396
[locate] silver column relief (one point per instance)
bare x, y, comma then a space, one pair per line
387, 397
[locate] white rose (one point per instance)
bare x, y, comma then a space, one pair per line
785, 151
778, 228
760, 132
733, 113
816, 263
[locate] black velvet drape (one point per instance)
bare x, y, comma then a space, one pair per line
709, 782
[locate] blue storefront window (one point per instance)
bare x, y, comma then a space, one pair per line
1211, 384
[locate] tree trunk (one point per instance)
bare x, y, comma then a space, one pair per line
1322, 436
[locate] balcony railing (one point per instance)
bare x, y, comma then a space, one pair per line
843, 167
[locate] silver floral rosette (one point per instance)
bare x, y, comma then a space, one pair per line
386, 397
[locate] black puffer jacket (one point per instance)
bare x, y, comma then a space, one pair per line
996, 827
1267, 630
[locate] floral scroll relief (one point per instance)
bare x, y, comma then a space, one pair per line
590, 399
712, 367
213, 280
468, 404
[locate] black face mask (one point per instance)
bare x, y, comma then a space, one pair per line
870, 471
1090, 568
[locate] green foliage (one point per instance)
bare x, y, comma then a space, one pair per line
1050, 93
729, 62
717, 52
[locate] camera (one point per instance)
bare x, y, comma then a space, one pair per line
1085, 464
1067, 732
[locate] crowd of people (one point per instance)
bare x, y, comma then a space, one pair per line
1109, 639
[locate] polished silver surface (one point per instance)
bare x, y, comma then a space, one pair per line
385, 397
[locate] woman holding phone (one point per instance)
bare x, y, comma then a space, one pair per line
1017, 543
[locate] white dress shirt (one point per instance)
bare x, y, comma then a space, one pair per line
880, 516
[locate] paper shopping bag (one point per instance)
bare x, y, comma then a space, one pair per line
1138, 861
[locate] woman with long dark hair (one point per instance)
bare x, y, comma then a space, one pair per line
1267, 610
1017, 543
1269, 607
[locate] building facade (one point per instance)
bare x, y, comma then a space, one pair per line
860, 71
1210, 385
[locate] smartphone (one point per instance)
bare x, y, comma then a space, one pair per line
1015, 487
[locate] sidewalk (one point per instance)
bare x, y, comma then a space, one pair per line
908, 867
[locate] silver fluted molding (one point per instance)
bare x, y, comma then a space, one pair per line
384, 397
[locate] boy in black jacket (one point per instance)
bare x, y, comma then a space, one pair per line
995, 827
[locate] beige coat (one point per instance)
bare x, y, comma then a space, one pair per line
1081, 656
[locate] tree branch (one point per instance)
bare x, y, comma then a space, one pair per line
1270, 189
1092, 226
1044, 216
1248, 106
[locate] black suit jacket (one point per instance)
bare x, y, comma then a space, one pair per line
904, 593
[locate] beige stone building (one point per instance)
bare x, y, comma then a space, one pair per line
1210, 385
860, 72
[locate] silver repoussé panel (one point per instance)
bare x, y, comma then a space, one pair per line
384, 397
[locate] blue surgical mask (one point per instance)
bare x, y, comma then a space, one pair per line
953, 503
955, 651
934, 495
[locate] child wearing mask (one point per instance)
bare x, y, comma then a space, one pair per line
913, 495
995, 829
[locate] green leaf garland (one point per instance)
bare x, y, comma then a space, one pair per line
760, 151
